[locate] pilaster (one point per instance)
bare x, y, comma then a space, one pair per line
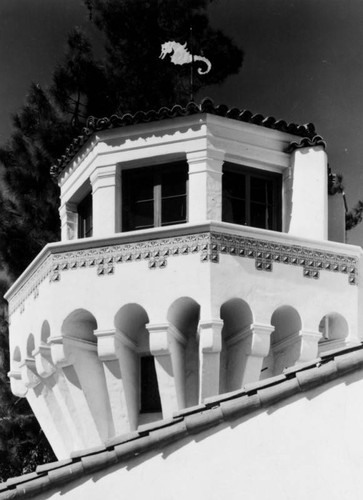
205, 185
210, 346
69, 221
106, 199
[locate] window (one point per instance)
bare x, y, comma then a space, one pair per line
251, 197
150, 397
154, 196
85, 220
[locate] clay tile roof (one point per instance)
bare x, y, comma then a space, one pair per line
227, 407
93, 124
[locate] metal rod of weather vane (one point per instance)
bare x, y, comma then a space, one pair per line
192, 65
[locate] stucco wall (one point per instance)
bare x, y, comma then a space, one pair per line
307, 447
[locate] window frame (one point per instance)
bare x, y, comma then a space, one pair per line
156, 172
248, 173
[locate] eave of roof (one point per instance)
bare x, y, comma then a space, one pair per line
93, 125
214, 411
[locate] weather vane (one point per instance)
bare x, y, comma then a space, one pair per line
179, 54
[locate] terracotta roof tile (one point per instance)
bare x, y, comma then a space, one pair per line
93, 124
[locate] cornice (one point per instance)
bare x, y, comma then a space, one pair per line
207, 106
209, 241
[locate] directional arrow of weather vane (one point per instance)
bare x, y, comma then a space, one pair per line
179, 54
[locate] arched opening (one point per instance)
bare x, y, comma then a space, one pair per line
44, 333
16, 358
30, 346
285, 341
334, 331
131, 320
237, 320
137, 365
80, 325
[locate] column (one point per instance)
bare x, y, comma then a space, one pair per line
52, 380
247, 350
205, 185
116, 352
69, 221
74, 397
41, 401
308, 345
106, 196
167, 345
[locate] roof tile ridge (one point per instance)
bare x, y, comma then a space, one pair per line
201, 417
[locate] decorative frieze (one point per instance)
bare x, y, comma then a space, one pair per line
209, 245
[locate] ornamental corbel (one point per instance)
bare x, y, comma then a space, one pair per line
17, 385
59, 357
43, 361
28, 373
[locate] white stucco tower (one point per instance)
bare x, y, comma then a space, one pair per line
195, 259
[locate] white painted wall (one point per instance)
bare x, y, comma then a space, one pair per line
310, 446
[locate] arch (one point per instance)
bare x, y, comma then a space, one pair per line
286, 321
80, 324
16, 358
237, 319
44, 333
236, 315
30, 346
184, 314
334, 329
285, 341
131, 320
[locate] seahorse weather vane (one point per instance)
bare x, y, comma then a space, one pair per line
181, 55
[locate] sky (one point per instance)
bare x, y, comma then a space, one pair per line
303, 63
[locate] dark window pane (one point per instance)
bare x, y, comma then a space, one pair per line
234, 185
261, 190
137, 195
173, 181
261, 215
173, 210
233, 198
234, 211
142, 186
143, 214
150, 397
85, 219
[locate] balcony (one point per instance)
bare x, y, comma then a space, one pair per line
215, 304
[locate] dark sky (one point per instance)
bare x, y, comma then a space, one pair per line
303, 63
